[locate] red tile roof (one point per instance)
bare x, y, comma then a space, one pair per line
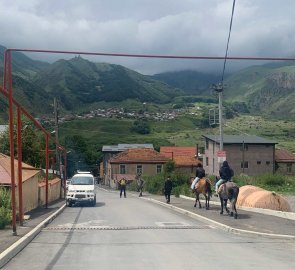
182, 155
5, 171
282, 155
139, 155
175, 151
186, 161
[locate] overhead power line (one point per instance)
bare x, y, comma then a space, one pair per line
228, 39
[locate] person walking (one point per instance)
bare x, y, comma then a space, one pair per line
200, 173
140, 183
122, 184
225, 173
167, 189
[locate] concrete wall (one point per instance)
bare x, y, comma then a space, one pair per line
29, 193
282, 167
260, 158
54, 191
147, 168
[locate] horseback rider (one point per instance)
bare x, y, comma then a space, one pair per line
200, 173
225, 173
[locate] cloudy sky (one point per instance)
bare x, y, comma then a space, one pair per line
261, 28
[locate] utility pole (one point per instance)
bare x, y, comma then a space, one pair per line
219, 89
55, 106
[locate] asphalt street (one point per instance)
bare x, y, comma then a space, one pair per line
253, 224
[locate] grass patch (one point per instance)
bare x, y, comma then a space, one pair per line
5, 208
277, 182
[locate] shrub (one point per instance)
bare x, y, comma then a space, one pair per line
155, 184
177, 191
5, 208
5, 217
272, 180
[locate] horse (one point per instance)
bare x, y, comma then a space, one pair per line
229, 191
202, 187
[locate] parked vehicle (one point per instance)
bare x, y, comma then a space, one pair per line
68, 181
81, 189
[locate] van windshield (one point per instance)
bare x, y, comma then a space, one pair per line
82, 180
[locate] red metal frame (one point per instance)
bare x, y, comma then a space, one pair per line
7, 84
19, 160
21, 110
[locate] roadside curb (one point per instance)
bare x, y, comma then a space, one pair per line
276, 213
220, 225
14, 249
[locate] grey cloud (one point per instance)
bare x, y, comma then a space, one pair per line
167, 27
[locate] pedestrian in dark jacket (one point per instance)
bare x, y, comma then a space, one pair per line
167, 189
225, 173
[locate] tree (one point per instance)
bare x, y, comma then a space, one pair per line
33, 144
169, 167
141, 127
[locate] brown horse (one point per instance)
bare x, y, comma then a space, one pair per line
229, 191
202, 187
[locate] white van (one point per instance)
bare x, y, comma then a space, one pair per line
81, 189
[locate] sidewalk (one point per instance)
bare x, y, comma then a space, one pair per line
10, 245
262, 223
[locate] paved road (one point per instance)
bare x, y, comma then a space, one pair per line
136, 233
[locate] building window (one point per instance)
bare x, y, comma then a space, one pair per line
122, 169
267, 162
138, 169
207, 144
289, 167
259, 162
244, 165
207, 161
159, 168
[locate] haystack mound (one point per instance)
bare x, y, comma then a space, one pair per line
251, 196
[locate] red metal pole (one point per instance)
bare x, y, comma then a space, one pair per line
65, 172
47, 165
20, 171
10, 111
4, 71
157, 55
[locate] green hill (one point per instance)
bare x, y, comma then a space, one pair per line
267, 89
190, 81
79, 84
22, 64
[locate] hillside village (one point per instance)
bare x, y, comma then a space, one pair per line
119, 113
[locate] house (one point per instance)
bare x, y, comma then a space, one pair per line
109, 151
33, 190
247, 154
285, 162
30, 179
185, 157
130, 163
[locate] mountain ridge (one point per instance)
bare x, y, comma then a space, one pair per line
78, 83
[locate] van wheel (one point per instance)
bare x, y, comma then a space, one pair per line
69, 204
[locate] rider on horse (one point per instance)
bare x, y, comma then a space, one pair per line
200, 173
226, 173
